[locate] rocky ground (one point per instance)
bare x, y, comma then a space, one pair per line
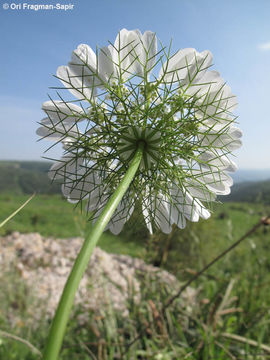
43, 265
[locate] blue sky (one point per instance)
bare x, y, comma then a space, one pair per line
35, 43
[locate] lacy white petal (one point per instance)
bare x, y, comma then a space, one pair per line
78, 189
222, 162
135, 50
64, 168
122, 214
199, 191
62, 130
177, 216
217, 182
146, 212
121, 54
160, 210
86, 57
106, 68
149, 42
186, 66
59, 111
184, 203
202, 86
76, 81
217, 101
227, 140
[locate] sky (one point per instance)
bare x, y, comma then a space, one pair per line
34, 43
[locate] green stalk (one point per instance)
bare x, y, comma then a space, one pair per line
60, 320
16, 211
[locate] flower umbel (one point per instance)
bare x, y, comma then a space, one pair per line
182, 116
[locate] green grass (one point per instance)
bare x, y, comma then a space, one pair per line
177, 334
240, 308
51, 215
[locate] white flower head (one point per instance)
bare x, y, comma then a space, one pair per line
183, 116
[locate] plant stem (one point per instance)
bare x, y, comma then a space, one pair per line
19, 339
60, 320
16, 211
244, 340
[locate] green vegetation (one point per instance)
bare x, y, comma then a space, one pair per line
230, 318
26, 177
258, 192
51, 215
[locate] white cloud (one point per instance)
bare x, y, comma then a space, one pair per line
264, 46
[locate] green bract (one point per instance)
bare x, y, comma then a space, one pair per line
182, 115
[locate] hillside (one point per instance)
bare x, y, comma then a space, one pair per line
26, 177
258, 192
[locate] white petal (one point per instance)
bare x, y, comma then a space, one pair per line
199, 66
97, 201
58, 111
121, 53
76, 81
217, 101
222, 162
175, 69
217, 182
84, 63
146, 213
202, 86
106, 67
177, 217
235, 132
79, 186
186, 66
220, 138
62, 130
184, 203
67, 166
149, 42
122, 214
85, 56
197, 190
48, 134
203, 212
136, 52
160, 209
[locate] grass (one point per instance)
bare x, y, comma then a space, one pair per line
51, 215
205, 332
230, 318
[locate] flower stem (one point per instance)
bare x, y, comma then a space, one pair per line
60, 320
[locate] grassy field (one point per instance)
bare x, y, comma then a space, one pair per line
231, 319
51, 215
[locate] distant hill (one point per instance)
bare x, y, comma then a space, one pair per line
26, 177
244, 175
250, 186
251, 191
